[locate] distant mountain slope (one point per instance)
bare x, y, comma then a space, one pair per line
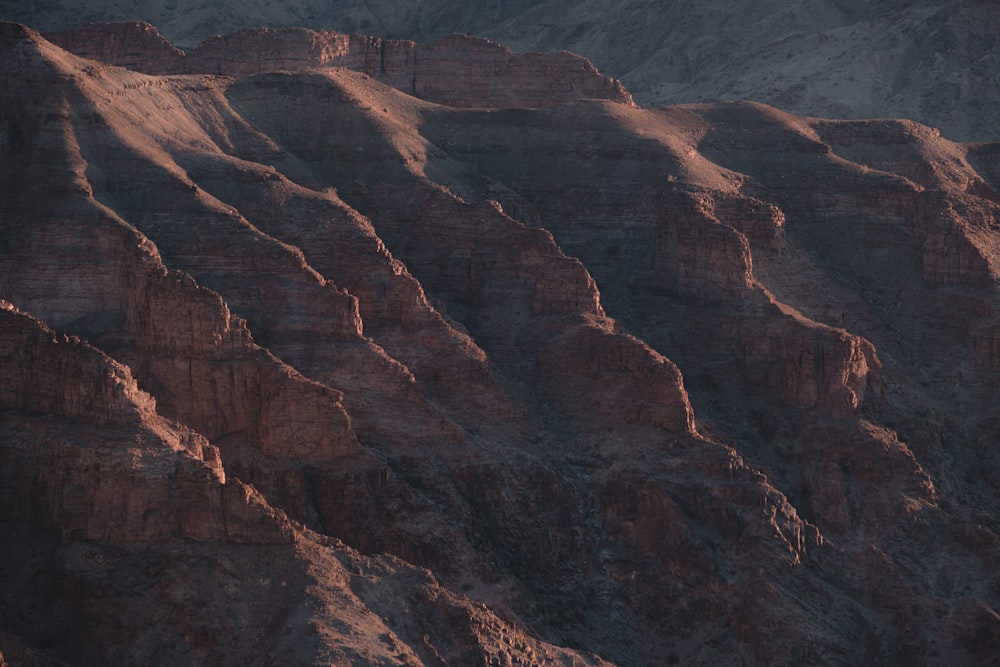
934, 61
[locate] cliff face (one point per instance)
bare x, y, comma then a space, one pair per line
126, 475
137, 46
103, 494
928, 60
456, 70
692, 385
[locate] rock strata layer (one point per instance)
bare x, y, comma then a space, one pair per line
457, 70
928, 60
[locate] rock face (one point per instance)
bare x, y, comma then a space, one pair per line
457, 70
137, 46
136, 477
310, 364
929, 60
103, 494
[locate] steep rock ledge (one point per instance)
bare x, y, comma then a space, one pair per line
137, 46
509, 284
457, 70
122, 488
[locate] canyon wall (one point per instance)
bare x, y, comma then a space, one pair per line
302, 362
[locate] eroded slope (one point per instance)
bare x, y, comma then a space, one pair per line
694, 384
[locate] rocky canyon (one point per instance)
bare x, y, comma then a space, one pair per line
932, 61
330, 349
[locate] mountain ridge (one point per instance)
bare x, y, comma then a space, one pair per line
928, 60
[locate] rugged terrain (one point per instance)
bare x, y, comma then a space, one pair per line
933, 61
318, 349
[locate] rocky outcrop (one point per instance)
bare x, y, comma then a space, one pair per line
342, 245
510, 282
761, 222
756, 327
179, 338
956, 248
138, 46
603, 377
457, 70
805, 364
695, 249
73, 386
136, 477
140, 505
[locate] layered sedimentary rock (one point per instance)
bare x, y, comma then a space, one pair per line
456, 70
301, 367
137, 507
137, 46
133, 478
928, 60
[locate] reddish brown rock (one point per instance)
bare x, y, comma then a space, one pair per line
41, 377
782, 337
118, 490
956, 244
342, 245
695, 249
138, 46
180, 338
808, 365
474, 271
694, 385
603, 376
296, 296
138, 515
457, 70
761, 222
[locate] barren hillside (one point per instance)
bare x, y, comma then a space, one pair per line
328, 350
933, 61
